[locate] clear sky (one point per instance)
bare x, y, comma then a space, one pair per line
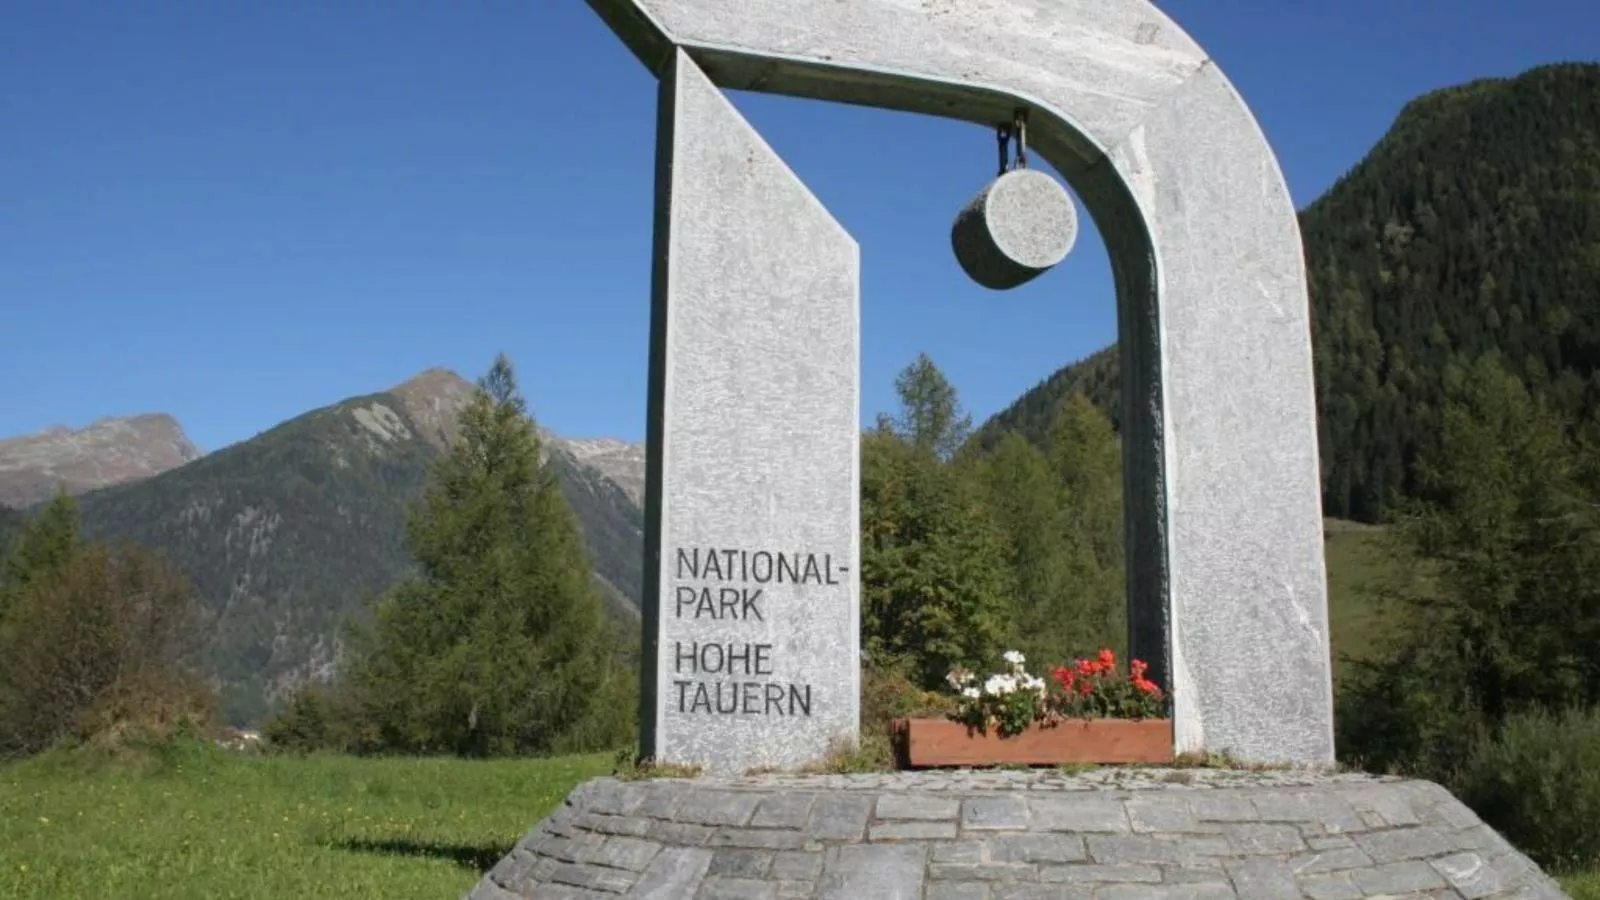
238, 212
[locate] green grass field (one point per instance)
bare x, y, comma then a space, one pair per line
220, 826
1355, 564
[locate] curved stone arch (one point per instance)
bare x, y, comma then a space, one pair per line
1226, 587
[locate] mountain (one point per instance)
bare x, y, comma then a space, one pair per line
617, 460
110, 451
285, 534
1472, 227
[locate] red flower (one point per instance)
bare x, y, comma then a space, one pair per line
1064, 677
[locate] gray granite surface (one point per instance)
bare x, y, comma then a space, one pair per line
1227, 589
751, 618
1021, 835
1019, 226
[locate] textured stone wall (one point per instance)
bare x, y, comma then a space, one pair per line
1105, 835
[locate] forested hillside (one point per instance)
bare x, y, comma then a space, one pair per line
11, 522
1473, 227
285, 535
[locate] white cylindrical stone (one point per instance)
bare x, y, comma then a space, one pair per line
1018, 227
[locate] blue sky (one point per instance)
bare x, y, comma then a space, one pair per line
238, 212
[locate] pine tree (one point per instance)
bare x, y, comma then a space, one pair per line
1501, 585
1087, 459
1061, 512
499, 645
931, 417
43, 549
934, 580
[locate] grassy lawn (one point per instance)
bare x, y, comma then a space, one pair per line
1356, 563
1582, 886
217, 826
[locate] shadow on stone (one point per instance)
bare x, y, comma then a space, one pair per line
479, 858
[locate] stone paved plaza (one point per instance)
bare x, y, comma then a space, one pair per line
1105, 834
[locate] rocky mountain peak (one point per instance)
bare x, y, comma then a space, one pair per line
109, 451
434, 397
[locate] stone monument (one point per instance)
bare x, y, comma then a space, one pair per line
754, 364
751, 622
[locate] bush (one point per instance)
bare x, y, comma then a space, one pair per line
1537, 781
888, 693
98, 651
316, 718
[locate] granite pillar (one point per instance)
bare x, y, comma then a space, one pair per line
752, 632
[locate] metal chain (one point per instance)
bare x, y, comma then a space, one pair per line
1005, 134
1020, 129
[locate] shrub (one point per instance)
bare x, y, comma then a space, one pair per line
1537, 781
316, 718
99, 650
888, 693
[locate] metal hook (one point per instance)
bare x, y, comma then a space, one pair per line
1020, 129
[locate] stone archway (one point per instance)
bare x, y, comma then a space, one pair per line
1227, 589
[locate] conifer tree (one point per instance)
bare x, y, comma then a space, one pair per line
931, 418
1087, 459
499, 645
1061, 512
1497, 598
43, 549
934, 580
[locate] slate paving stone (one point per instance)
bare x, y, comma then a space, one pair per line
740, 863
1018, 836
1265, 838
719, 888
796, 866
785, 810
1263, 879
628, 853
1037, 848
912, 831
717, 808
1100, 814
914, 806
875, 871
1093, 873
839, 817
1009, 813
957, 891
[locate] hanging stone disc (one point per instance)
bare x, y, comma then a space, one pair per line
1018, 227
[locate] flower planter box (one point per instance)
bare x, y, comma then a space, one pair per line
941, 742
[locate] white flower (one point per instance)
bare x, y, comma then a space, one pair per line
1032, 683
1000, 685
1013, 657
970, 693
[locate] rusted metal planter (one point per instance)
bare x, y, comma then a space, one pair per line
942, 742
